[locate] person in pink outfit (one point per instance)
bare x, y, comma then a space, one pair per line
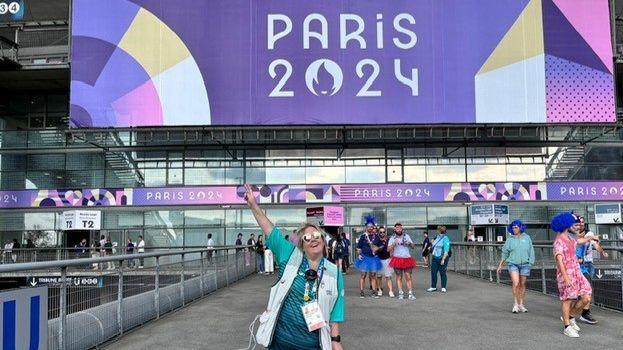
574, 290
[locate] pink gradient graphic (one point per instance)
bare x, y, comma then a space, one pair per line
584, 15
139, 107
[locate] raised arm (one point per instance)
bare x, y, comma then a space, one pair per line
585, 239
265, 224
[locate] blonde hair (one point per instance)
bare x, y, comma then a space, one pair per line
301, 231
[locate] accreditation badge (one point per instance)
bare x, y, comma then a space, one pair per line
313, 316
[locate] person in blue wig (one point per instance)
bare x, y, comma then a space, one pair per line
574, 290
368, 263
518, 254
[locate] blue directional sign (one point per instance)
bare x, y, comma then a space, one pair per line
24, 319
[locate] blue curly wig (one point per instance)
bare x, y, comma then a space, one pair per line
563, 221
370, 220
518, 223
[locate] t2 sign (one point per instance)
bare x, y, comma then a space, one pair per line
82, 220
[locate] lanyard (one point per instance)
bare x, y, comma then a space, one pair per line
307, 296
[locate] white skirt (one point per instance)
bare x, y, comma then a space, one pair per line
386, 271
269, 263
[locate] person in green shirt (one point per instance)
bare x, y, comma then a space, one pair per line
291, 330
518, 254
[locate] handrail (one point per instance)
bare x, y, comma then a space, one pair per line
119, 247
85, 261
500, 244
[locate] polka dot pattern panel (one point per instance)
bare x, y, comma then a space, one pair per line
577, 94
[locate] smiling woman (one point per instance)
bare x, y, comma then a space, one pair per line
307, 304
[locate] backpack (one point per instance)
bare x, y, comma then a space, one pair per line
337, 248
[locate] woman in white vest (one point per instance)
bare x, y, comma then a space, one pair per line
306, 304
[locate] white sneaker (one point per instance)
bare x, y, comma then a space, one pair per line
443, 290
570, 332
573, 324
431, 289
411, 296
380, 293
522, 308
401, 295
515, 308
391, 294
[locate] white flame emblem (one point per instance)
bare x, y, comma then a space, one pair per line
329, 69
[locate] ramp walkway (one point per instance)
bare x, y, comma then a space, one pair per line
474, 314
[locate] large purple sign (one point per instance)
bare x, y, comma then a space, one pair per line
585, 190
317, 194
274, 62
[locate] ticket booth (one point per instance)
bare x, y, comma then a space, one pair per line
489, 221
80, 224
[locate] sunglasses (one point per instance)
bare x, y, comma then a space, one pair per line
381, 231
309, 236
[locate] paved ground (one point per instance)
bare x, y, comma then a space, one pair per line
473, 315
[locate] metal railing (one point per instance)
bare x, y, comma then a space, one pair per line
23, 255
481, 260
88, 308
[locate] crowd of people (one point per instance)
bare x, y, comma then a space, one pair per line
257, 249
12, 254
573, 254
381, 258
106, 247
386, 261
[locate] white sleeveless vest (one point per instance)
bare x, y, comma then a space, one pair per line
327, 296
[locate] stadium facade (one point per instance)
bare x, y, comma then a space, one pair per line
131, 131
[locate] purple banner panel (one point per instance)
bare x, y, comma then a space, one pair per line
317, 194
187, 196
589, 190
393, 193
499, 191
16, 199
244, 62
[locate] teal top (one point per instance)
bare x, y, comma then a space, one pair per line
291, 330
440, 245
518, 250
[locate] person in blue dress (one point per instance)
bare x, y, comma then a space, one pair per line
367, 262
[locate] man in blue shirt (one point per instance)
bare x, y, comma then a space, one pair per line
367, 262
584, 253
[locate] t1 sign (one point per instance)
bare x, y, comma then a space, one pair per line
82, 220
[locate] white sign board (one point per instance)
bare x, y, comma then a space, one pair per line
82, 220
24, 318
489, 214
608, 213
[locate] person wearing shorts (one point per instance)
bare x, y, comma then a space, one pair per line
402, 262
518, 254
386, 271
573, 288
584, 253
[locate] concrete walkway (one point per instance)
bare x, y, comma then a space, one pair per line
473, 314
